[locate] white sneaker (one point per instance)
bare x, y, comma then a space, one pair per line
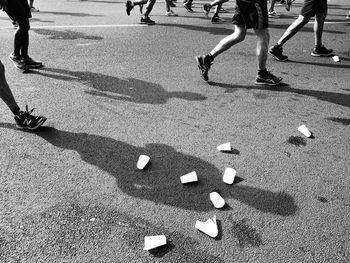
170, 13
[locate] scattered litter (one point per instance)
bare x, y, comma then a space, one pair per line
93, 219
217, 200
336, 58
229, 175
226, 147
304, 131
209, 227
189, 178
143, 161
154, 241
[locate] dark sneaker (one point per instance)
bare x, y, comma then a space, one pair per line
31, 63
277, 53
216, 20
268, 79
206, 9
287, 4
129, 7
188, 7
147, 20
321, 51
25, 120
203, 67
19, 62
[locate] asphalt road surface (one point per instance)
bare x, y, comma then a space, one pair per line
113, 89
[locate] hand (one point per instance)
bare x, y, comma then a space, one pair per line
3, 5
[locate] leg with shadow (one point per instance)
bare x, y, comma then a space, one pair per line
320, 50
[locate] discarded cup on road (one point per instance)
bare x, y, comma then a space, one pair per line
217, 200
189, 178
226, 147
304, 131
143, 161
154, 242
229, 175
208, 227
336, 58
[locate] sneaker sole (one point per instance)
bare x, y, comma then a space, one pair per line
322, 55
200, 68
267, 84
277, 57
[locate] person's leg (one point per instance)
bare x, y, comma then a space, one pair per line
22, 37
31, 2
272, 6
318, 28
293, 29
204, 62
237, 36
264, 77
6, 93
149, 7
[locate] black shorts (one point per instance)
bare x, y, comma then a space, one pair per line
251, 14
18, 10
312, 7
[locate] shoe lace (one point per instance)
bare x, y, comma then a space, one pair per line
27, 113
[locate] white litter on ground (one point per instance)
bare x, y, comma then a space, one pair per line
226, 147
336, 58
229, 175
154, 242
209, 227
304, 131
217, 200
189, 178
143, 161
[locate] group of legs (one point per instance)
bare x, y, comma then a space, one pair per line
255, 15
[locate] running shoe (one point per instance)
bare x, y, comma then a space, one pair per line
25, 120
188, 7
277, 53
31, 63
216, 20
129, 6
147, 20
273, 14
206, 9
33, 9
268, 79
321, 51
170, 13
203, 67
18, 62
287, 4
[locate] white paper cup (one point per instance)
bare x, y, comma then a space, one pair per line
229, 175
189, 178
217, 200
224, 147
209, 227
304, 131
336, 58
143, 161
154, 242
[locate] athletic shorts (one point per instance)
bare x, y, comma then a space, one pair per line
312, 7
251, 14
18, 10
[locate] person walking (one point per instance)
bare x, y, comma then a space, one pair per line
311, 8
23, 119
248, 14
218, 5
19, 11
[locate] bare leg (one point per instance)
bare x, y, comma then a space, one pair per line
318, 27
293, 29
229, 41
5, 91
272, 6
262, 47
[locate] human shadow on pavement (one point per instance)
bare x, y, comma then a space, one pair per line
130, 89
332, 97
64, 35
344, 121
161, 182
305, 29
330, 65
